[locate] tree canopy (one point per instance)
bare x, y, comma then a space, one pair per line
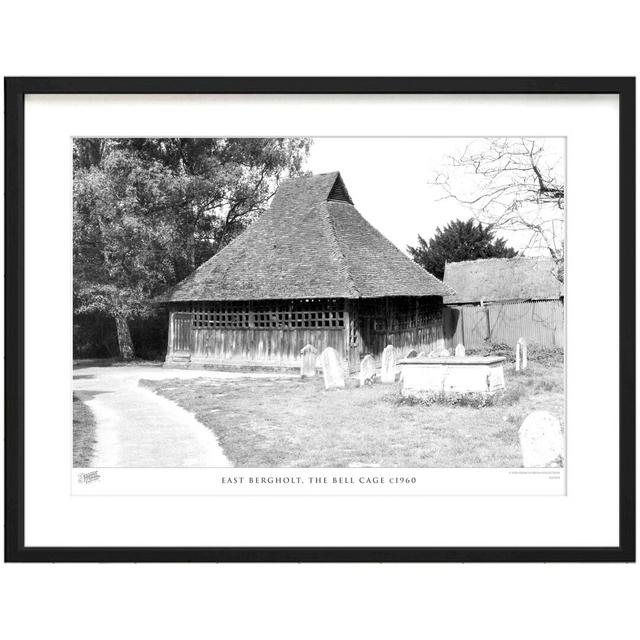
149, 211
458, 241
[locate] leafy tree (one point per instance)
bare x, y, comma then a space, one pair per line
149, 211
458, 241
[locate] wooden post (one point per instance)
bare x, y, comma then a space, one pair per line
353, 338
170, 338
346, 331
387, 331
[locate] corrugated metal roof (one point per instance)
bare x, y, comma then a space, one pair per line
495, 279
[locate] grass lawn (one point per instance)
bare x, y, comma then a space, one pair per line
84, 432
296, 423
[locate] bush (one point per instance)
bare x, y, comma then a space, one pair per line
535, 352
471, 400
545, 355
493, 349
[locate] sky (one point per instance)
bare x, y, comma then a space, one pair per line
388, 181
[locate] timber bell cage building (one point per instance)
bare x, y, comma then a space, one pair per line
311, 270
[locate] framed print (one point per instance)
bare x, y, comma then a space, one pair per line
320, 319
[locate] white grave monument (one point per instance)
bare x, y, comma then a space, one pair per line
308, 363
388, 374
521, 345
332, 369
541, 440
367, 370
460, 351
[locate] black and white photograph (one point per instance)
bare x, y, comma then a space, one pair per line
389, 320
320, 320
319, 302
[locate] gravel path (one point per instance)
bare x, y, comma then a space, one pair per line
137, 428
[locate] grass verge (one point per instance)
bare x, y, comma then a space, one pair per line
84, 432
279, 422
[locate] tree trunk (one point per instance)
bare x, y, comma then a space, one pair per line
125, 343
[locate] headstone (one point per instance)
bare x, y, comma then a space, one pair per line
308, 364
541, 440
332, 369
445, 353
388, 374
521, 347
367, 370
523, 343
412, 354
460, 351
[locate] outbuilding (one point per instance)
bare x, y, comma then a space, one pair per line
503, 299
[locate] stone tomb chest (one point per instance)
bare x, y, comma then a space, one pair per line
466, 374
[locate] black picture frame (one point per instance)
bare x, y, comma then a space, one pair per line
15, 91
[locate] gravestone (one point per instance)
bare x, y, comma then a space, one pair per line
332, 369
541, 440
521, 348
388, 374
367, 370
445, 353
308, 364
412, 354
460, 351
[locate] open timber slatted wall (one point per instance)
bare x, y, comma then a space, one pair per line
540, 322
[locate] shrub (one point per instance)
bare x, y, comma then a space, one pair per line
545, 355
493, 349
535, 352
469, 400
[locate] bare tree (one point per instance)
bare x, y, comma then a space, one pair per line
511, 184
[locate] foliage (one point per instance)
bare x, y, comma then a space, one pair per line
456, 242
514, 185
471, 399
535, 352
545, 355
149, 211
489, 348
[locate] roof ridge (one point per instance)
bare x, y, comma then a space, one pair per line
329, 228
309, 246
537, 258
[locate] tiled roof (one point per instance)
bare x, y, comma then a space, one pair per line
312, 243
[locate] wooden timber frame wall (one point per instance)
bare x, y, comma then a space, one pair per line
272, 332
